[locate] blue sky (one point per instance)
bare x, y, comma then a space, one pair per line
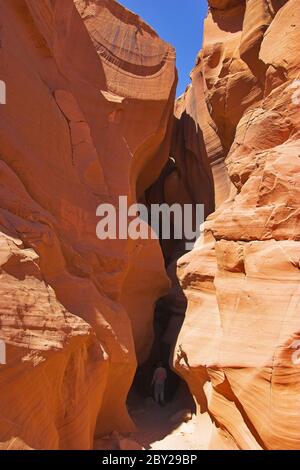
180, 23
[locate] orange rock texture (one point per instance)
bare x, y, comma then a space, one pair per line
89, 117
90, 96
236, 348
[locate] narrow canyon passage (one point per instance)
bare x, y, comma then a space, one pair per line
172, 425
89, 119
162, 427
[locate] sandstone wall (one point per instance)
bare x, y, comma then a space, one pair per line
84, 123
242, 279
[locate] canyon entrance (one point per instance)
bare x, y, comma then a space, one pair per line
89, 114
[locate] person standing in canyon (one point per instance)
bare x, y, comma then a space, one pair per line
158, 381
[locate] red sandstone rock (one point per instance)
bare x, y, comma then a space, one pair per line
242, 279
84, 123
79, 129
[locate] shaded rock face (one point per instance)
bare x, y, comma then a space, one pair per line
89, 117
242, 279
84, 123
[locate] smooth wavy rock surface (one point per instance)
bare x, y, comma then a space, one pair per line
87, 119
237, 348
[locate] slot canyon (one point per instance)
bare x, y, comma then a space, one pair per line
91, 115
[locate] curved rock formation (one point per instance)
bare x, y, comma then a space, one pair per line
79, 129
237, 345
89, 116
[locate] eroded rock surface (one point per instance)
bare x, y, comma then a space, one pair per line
84, 123
242, 279
89, 117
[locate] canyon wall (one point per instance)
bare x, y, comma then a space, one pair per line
90, 96
237, 347
88, 118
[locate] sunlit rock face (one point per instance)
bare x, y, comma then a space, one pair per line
236, 348
84, 123
89, 116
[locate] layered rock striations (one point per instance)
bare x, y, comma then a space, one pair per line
237, 348
90, 93
88, 118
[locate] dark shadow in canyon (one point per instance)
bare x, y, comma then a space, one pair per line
161, 352
178, 184
153, 421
